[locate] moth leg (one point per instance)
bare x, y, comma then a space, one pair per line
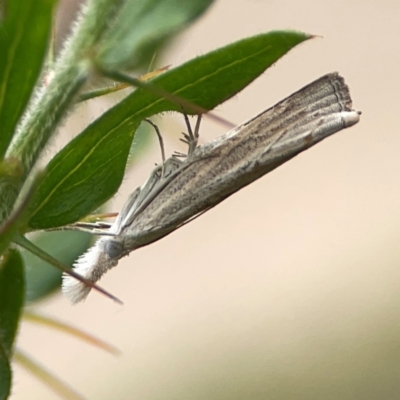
96, 228
178, 154
197, 127
93, 225
192, 137
161, 143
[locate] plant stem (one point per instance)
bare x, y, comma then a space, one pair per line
51, 102
23, 242
47, 378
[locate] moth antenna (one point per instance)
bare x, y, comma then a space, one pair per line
160, 139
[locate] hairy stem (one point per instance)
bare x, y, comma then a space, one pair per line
52, 101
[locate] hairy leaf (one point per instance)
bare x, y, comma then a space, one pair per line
24, 38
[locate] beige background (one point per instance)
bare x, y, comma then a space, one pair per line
290, 288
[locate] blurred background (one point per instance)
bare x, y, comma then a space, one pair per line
290, 288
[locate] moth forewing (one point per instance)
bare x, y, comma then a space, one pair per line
214, 171
159, 178
230, 162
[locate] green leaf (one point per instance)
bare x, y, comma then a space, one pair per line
142, 26
12, 290
89, 170
24, 38
5, 375
41, 278
81, 177
205, 81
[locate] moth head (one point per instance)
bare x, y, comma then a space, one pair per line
92, 265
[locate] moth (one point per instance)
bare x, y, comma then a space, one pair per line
179, 190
